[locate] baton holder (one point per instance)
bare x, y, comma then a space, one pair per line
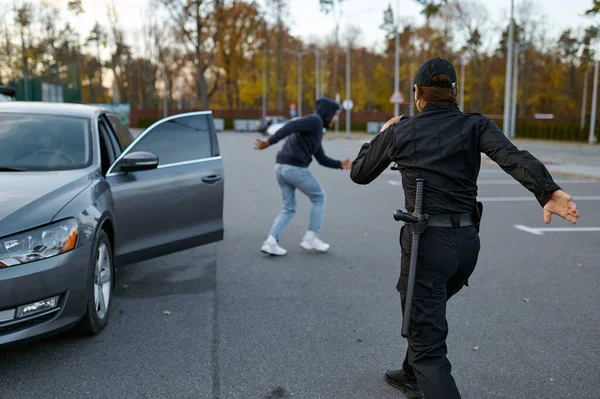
418, 223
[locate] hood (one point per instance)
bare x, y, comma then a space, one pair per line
326, 109
31, 199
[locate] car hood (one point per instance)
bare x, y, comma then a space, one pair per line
31, 199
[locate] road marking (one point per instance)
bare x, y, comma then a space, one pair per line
513, 182
394, 182
510, 199
539, 231
565, 181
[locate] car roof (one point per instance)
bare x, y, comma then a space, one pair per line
37, 107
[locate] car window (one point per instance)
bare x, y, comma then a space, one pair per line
111, 135
181, 139
123, 134
44, 142
107, 151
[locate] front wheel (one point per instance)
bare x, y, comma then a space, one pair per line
100, 287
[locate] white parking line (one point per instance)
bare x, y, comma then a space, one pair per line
511, 199
565, 181
539, 231
511, 182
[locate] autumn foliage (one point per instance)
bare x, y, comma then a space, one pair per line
214, 54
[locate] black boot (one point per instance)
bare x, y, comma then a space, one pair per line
397, 379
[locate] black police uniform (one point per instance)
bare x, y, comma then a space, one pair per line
443, 146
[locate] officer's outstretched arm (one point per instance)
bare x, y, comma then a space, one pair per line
373, 158
520, 164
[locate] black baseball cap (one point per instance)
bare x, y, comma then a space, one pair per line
432, 67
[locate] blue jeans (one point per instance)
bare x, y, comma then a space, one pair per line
291, 178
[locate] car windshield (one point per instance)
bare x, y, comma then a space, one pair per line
44, 142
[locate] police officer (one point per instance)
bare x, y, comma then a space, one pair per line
443, 146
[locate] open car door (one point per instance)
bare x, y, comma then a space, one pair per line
167, 187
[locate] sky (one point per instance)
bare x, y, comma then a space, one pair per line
307, 21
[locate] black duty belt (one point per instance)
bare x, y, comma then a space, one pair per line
450, 220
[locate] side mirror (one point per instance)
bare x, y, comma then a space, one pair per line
136, 161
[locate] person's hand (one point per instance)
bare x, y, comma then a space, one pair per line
261, 144
395, 119
561, 204
347, 164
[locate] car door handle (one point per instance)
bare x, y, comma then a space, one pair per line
212, 178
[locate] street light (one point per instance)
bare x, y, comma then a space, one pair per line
592, 137
348, 73
517, 51
348, 87
264, 96
463, 61
300, 54
509, 61
584, 101
397, 59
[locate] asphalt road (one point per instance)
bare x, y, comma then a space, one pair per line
309, 326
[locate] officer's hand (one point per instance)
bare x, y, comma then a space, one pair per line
390, 123
261, 144
561, 204
347, 164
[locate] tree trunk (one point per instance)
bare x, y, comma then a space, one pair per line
335, 61
279, 94
480, 85
237, 94
267, 67
202, 87
229, 92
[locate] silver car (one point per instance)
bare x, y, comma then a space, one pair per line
79, 197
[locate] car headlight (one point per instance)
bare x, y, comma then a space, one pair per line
41, 243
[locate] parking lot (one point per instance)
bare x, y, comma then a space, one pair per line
225, 321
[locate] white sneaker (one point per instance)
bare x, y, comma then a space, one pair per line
312, 242
271, 247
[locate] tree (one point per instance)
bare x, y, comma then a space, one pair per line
279, 14
472, 20
199, 24
590, 37
23, 20
568, 46
389, 26
121, 55
594, 10
75, 7
431, 7
240, 36
334, 7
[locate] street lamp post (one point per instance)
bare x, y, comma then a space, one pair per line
397, 59
264, 88
348, 87
299, 84
592, 137
317, 62
584, 101
519, 47
509, 61
462, 83
300, 54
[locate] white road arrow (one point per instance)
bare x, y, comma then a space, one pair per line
538, 231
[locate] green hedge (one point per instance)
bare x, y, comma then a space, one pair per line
553, 131
144, 123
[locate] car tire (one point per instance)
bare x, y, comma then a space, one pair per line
100, 287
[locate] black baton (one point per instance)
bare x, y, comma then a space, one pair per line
417, 220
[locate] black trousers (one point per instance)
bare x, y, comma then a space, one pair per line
446, 260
